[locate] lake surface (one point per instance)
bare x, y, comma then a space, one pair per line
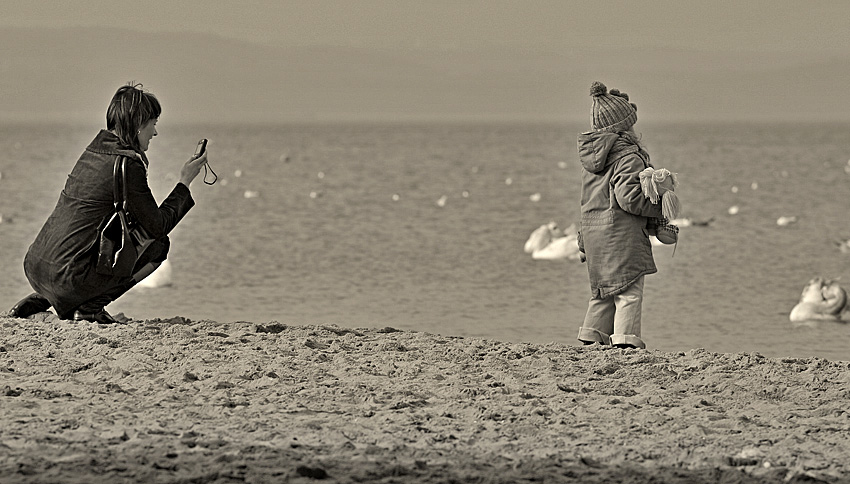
340, 224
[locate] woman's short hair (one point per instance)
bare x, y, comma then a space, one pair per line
131, 107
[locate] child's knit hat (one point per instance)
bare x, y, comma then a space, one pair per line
611, 111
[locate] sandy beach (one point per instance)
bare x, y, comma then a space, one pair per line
180, 401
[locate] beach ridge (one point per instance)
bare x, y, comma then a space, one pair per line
175, 400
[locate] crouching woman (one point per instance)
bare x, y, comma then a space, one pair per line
61, 264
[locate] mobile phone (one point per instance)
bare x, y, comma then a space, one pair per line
202, 147
199, 151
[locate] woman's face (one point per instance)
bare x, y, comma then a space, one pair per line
146, 133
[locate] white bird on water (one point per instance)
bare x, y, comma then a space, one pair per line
548, 243
687, 222
161, 277
785, 221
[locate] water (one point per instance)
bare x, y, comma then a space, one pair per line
325, 242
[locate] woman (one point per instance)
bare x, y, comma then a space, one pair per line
61, 263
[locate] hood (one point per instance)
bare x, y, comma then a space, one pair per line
598, 149
107, 143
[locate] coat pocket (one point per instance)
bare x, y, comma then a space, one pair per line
597, 218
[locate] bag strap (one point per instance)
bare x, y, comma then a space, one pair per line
119, 195
116, 194
124, 180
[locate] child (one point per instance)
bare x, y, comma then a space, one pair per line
614, 215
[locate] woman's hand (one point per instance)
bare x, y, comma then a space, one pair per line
191, 169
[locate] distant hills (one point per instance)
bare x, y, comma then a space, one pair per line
70, 74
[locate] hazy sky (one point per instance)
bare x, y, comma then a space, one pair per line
531, 59
727, 25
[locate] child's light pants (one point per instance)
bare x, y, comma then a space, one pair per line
615, 320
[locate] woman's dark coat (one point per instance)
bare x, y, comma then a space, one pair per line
60, 263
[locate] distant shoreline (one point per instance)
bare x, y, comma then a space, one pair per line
92, 122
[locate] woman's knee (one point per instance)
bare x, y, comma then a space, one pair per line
156, 252
163, 244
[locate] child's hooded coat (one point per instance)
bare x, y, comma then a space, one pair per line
614, 212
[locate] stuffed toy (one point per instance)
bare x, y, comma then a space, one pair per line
659, 185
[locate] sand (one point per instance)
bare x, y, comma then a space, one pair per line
179, 401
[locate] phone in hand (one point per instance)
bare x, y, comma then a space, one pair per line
199, 151
202, 147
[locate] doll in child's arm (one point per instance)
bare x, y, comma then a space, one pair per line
628, 190
659, 185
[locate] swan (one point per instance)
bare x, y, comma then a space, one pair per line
548, 243
687, 222
560, 248
821, 300
540, 237
161, 277
785, 221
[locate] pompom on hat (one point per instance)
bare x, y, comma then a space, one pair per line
612, 110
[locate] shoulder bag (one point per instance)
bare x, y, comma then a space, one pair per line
121, 239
